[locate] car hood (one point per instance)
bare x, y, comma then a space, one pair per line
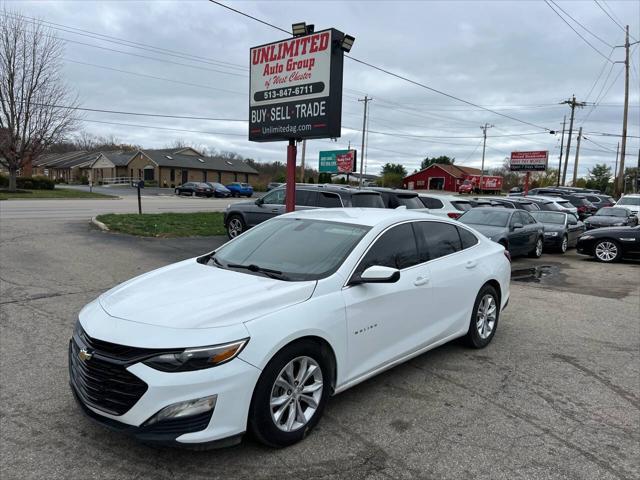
192, 295
605, 231
488, 230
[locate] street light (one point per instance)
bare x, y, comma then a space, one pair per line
301, 28
347, 43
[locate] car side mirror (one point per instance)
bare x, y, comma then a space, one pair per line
517, 226
378, 274
259, 201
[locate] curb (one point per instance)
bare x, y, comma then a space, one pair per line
99, 224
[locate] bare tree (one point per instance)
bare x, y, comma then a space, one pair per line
32, 90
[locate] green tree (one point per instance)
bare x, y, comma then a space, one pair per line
442, 159
324, 178
396, 168
392, 180
599, 177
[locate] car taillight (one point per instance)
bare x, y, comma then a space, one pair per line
454, 215
507, 254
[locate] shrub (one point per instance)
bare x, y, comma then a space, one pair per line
259, 187
150, 183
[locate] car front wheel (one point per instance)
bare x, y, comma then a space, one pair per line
564, 245
484, 318
607, 251
290, 395
235, 226
537, 250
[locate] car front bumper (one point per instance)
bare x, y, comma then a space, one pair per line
224, 425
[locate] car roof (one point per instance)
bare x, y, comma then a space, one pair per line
365, 216
451, 198
398, 191
328, 187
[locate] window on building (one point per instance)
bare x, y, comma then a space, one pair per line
172, 175
235, 177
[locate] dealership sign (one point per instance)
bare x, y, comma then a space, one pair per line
295, 88
337, 161
529, 161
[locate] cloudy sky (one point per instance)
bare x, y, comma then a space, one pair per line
519, 58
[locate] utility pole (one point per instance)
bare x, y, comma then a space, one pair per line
366, 100
615, 169
304, 148
619, 187
484, 146
564, 120
575, 165
573, 104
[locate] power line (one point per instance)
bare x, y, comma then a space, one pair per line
154, 77
586, 97
162, 128
396, 75
612, 19
581, 25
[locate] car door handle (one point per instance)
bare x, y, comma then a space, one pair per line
275, 210
471, 264
421, 280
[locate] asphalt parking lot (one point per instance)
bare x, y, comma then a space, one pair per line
556, 395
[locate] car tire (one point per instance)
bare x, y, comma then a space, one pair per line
177, 192
484, 318
564, 245
537, 250
607, 251
235, 226
280, 413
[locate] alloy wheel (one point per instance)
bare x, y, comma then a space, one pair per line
486, 316
296, 394
564, 245
235, 227
539, 247
606, 251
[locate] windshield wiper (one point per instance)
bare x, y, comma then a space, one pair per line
255, 268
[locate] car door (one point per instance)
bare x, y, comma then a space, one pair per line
383, 319
454, 278
517, 236
272, 204
532, 228
575, 228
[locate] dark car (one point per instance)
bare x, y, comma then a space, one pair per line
612, 217
599, 200
515, 202
219, 190
272, 185
194, 189
561, 230
243, 215
394, 198
517, 230
611, 244
584, 206
481, 202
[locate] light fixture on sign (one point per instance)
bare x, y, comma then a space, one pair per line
347, 43
299, 29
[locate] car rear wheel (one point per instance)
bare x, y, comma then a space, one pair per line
607, 251
235, 226
290, 395
177, 192
537, 250
484, 318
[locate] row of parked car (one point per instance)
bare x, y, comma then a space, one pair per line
524, 225
214, 189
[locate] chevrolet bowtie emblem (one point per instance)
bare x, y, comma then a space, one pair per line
85, 355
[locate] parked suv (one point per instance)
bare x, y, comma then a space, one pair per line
238, 189
517, 203
584, 206
241, 216
394, 198
445, 205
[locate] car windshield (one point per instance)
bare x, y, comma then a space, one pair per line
549, 217
635, 201
462, 205
301, 249
493, 218
367, 200
409, 201
611, 212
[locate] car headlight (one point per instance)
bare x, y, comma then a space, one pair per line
196, 358
550, 234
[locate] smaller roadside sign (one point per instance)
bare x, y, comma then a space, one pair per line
535, 161
337, 161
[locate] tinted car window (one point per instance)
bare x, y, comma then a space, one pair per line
431, 202
515, 218
367, 200
529, 207
328, 200
276, 197
593, 199
462, 205
306, 198
436, 239
396, 248
467, 238
409, 201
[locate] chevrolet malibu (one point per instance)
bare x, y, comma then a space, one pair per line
257, 335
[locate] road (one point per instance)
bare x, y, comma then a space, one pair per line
555, 396
68, 209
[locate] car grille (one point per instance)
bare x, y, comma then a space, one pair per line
103, 382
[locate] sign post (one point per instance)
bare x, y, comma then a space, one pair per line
295, 88
529, 162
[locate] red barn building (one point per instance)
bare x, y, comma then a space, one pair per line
445, 177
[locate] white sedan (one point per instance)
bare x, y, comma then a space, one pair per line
257, 335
